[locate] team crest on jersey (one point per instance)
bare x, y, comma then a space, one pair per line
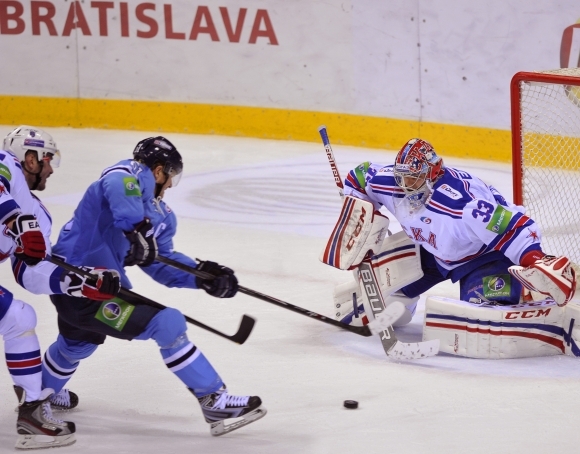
131, 186
5, 172
449, 192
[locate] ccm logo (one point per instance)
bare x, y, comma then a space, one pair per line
357, 229
527, 314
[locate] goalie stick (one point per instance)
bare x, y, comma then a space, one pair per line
244, 330
392, 346
360, 330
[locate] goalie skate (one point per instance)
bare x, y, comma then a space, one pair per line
37, 428
221, 406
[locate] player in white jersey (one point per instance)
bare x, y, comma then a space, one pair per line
466, 231
26, 162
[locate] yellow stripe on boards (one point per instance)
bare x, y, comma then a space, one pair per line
347, 129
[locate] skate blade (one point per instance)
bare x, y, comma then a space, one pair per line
219, 428
40, 441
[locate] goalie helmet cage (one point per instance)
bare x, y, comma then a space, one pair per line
545, 111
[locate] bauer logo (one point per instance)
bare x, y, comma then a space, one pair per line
131, 186
449, 192
115, 313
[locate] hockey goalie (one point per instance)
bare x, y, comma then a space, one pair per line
456, 227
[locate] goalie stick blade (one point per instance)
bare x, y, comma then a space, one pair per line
416, 350
385, 319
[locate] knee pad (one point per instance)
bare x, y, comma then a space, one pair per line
19, 320
166, 327
74, 350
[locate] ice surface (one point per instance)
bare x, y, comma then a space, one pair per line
265, 208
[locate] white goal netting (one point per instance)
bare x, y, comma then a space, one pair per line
549, 132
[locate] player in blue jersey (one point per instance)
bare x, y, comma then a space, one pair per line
466, 231
123, 221
26, 162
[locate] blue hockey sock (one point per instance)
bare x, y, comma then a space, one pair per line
190, 365
61, 361
182, 358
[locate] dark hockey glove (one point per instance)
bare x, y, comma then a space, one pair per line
102, 286
143, 249
30, 245
223, 285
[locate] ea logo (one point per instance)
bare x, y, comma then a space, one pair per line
496, 283
111, 311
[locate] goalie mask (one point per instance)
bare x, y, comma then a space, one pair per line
158, 151
417, 168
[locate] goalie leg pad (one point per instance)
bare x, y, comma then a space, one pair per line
359, 229
495, 332
345, 308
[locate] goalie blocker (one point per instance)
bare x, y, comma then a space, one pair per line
394, 259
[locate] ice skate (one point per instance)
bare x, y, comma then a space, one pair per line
64, 400
221, 406
36, 426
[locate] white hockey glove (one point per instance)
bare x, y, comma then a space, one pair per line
358, 230
552, 276
103, 286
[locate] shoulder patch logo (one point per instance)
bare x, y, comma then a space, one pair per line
499, 220
449, 192
5, 172
131, 186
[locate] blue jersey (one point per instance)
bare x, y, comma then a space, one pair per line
121, 198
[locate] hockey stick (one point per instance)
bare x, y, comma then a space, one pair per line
360, 330
392, 346
244, 330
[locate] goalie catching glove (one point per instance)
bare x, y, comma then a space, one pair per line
102, 285
548, 275
224, 283
30, 245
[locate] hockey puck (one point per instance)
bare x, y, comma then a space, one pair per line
350, 404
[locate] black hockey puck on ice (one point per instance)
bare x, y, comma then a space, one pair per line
350, 404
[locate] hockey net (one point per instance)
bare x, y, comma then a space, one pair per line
546, 155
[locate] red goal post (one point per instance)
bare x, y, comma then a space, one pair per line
545, 114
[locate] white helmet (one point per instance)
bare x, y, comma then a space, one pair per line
25, 138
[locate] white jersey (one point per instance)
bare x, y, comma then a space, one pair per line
15, 197
462, 219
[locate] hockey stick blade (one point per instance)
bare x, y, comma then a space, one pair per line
360, 330
244, 330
